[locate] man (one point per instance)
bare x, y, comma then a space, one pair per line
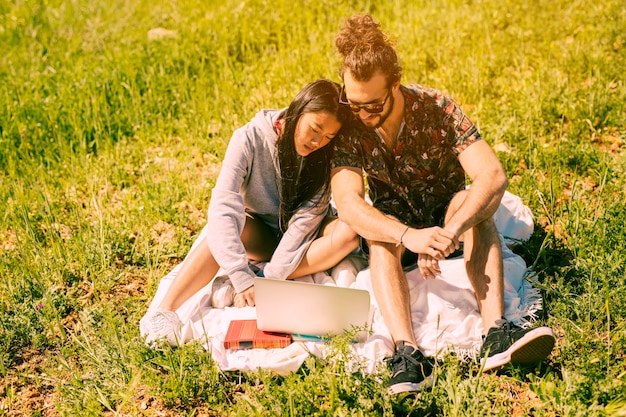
416, 147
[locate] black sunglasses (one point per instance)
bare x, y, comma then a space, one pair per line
370, 107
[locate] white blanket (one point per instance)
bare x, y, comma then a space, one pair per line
444, 310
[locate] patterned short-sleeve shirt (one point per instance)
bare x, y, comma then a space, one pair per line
417, 179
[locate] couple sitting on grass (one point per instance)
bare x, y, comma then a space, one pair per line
271, 203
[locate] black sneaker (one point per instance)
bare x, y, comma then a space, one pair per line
509, 343
410, 370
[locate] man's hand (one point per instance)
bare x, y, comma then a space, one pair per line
435, 242
245, 298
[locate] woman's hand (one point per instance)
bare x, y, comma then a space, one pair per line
245, 298
428, 266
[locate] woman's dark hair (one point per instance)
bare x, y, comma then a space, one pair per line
366, 49
306, 178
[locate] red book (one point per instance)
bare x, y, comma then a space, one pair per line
244, 334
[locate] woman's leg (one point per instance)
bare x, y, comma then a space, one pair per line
259, 239
200, 267
335, 242
197, 270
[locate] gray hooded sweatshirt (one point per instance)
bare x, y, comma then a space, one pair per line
249, 182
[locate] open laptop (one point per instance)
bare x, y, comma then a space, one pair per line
305, 309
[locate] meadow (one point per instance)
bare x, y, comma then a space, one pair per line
114, 117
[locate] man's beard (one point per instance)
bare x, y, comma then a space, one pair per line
382, 117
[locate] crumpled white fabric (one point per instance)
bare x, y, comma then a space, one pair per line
444, 310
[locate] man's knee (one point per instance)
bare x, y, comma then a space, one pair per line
455, 204
379, 250
377, 246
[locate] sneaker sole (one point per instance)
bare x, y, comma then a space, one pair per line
410, 386
535, 346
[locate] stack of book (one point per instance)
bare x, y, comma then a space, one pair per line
244, 334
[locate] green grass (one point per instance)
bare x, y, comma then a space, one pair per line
110, 142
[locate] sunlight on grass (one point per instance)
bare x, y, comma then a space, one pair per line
115, 115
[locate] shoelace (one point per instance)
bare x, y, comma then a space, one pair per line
509, 329
506, 326
488, 342
401, 360
161, 321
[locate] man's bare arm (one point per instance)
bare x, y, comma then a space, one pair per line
488, 185
348, 192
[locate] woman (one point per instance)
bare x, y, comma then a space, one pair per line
270, 205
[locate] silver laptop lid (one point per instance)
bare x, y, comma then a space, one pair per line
310, 309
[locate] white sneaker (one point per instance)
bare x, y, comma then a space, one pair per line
163, 324
222, 292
